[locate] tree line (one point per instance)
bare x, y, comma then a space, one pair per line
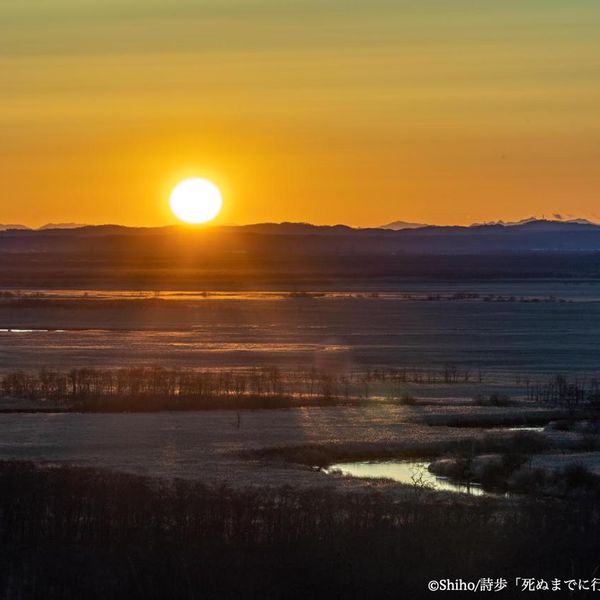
173, 388
68, 532
560, 390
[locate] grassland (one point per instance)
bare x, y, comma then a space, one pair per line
148, 421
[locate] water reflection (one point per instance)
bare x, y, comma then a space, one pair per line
408, 472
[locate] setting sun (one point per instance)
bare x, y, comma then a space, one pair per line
196, 201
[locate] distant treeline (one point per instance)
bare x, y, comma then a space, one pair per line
563, 391
72, 533
16, 298
158, 388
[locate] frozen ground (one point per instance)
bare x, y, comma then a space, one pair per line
205, 445
209, 446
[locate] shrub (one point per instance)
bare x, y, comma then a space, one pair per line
408, 400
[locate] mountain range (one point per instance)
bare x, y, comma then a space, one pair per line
304, 239
398, 225
301, 228
293, 255
6, 227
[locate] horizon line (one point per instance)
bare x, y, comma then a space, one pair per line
397, 225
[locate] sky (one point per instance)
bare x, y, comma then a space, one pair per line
324, 111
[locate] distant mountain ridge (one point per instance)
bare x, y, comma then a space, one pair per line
529, 235
314, 241
62, 226
8, 226
300, 228
399, 225
299, 255
535, 220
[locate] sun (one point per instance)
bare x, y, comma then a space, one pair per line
196, 200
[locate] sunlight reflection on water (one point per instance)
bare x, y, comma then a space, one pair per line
407, 472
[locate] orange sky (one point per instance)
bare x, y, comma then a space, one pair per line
322, 111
